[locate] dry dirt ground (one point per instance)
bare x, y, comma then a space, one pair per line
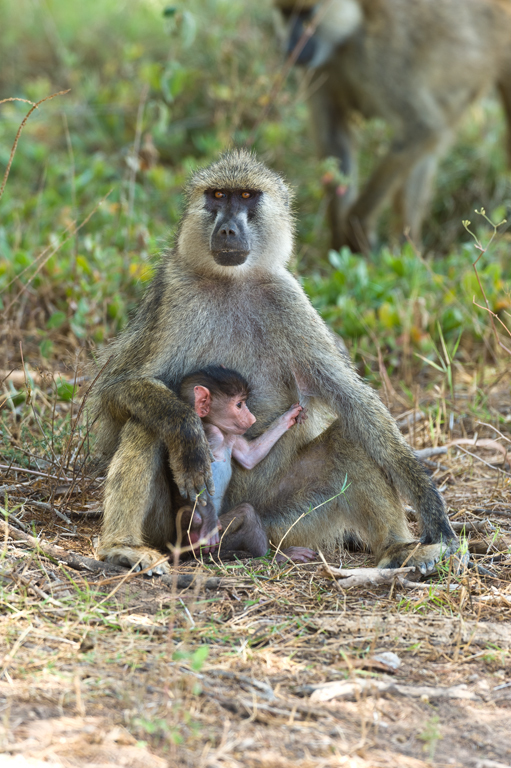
254, 664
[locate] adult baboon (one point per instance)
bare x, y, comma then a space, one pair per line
418, 65
223, 294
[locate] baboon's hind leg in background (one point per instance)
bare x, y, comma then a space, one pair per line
409, 167
407, 171
412, 199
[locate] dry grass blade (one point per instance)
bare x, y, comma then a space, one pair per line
22, 125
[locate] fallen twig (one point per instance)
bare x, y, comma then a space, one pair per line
362, 577
409, 419
34, 472
18, 378
49, 508
343, 690
482, 526
426, 453
83, 563
495, 598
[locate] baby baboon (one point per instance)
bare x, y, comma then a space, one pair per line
224, 293
219, 396
418, 65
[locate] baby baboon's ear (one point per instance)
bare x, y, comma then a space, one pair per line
202, 401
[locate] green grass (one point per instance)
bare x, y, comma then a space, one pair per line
198, 77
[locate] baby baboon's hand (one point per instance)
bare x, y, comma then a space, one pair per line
295, 415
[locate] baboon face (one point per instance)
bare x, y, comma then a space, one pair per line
230, 414
297, 24
231, 211
316, 29
238, 217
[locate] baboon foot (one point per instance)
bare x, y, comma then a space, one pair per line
424, 556
140, 557
296, 555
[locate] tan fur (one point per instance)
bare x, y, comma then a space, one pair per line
255, 319
418, 65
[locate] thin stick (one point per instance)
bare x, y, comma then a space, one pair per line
23, 123
134, 156
491, 466
33, 472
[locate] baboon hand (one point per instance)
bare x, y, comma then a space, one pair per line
191, 469
302, 416
193, 486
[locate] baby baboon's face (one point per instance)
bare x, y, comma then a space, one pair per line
230, 414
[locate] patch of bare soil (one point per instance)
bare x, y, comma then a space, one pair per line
253, 664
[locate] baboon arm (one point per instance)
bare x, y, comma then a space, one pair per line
174, 422
365, 420
250, 452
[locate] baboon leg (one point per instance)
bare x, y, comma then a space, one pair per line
390, 174
137, 503
333, 137
504, 87
242, 531
334, 487
412, 199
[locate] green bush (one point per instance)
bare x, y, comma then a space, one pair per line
192, 79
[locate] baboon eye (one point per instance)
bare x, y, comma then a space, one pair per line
219, 194
240, 404
246, 195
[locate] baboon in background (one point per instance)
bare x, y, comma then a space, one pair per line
223, 293
418, 65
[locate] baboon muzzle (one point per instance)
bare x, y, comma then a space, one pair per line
230, 245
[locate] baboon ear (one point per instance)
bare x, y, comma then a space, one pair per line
202, 401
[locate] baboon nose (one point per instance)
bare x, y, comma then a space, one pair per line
229, 243
229, 230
